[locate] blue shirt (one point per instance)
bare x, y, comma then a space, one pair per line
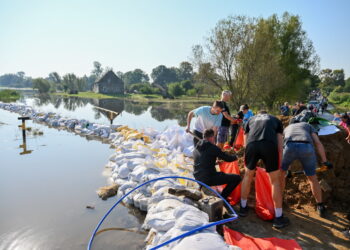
205, 119
247, 116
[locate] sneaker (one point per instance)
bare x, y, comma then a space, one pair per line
280, 222
243, 211
321, 210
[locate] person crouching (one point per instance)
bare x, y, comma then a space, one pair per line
205, 156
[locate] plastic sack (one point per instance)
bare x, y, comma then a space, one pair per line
264, 206
245, 242
240, 138
232, 168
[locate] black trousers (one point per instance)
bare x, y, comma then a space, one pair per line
219, 178
195, 140
234, 133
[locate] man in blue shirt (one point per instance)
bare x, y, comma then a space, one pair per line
207, 118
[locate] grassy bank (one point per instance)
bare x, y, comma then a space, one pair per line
340, 101
8, 95
139, 97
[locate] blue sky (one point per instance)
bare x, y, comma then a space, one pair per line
41, 36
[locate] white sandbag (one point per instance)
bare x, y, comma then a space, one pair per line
123, 171
126, 185
137, 173
203, 241
162, 221
166, 204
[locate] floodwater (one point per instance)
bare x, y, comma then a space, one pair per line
44, 194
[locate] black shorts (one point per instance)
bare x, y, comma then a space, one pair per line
266, 151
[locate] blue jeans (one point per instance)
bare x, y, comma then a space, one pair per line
304, 152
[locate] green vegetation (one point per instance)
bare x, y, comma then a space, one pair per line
9, 95
138, 97
334, 85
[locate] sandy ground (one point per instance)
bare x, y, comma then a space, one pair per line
307, 228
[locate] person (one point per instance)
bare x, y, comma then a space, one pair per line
300, 107
285, 109
237, 123
226, 119
247, 115
345, 123
205, 156
294, 109
263, 140
300, 141
207, 117
336, 118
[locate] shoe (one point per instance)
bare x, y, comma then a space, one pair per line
321, 210
280, 222
243, 211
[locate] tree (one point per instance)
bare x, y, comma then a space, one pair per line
97, 71
162, 75
135, 76
70, 83
42, 85
175, 89
185, 71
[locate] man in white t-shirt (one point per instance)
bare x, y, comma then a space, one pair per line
207, 118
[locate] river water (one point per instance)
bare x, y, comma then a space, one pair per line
44, 194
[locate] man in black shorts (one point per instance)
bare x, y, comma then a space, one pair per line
205, 156
264, 140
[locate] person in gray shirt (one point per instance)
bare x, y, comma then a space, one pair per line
300, 141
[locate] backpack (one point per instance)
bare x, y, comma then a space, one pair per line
304, 116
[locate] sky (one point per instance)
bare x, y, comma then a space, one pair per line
66, 36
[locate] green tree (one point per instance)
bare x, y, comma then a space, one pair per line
135, 76
42, 85
97, 70
175, 89
162, 75
185, 71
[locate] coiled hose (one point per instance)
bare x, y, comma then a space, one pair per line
234, 215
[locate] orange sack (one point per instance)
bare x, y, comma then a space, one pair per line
245, 242
264, 206
240, 138
232, 168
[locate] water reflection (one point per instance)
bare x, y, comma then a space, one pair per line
158, 110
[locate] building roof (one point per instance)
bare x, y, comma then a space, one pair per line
109, 75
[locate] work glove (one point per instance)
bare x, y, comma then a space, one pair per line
327, 164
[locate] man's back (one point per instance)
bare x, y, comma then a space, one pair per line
299, 132
263, 127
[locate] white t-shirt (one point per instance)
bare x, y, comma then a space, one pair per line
206, 120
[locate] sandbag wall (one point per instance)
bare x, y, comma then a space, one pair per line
139, 157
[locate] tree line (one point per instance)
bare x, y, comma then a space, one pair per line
263, 61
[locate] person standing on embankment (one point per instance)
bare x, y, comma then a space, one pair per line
300, 141
207, 118
224, 129
264, 140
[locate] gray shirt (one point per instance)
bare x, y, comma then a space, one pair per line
299, 132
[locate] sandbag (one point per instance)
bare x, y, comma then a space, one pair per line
232, 168
245, 242
264, 206
240, 138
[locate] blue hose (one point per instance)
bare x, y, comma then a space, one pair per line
234, 215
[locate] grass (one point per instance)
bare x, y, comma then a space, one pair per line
138, 97
8, 95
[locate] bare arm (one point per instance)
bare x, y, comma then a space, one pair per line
215, 131
228, 117
189, 119
245, 137
319, 147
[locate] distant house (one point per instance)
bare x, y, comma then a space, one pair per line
109, 83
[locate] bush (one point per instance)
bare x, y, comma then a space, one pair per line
142, 88
191, 92
176, 89
42, 85
9, 95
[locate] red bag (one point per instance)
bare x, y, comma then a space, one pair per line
264, 206
245, 242
232, 168
240, 138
